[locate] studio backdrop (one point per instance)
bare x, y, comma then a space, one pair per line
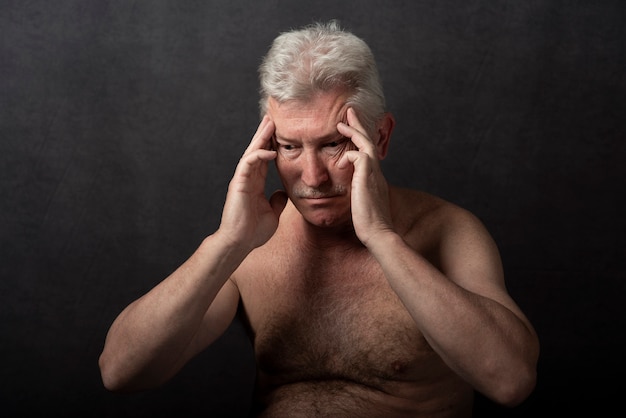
121, 123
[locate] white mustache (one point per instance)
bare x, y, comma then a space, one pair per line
312, 193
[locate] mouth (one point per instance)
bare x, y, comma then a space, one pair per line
318, 197
316, 194
318, 200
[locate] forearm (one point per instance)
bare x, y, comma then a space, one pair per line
151, 339
485, 342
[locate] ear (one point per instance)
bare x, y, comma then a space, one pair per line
385, 127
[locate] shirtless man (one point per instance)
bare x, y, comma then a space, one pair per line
362, 299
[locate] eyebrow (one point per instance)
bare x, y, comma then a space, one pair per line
330, 137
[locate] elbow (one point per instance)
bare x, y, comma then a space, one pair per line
510, 385
113, 378
512, 391
513, 381
110, 378
127, 376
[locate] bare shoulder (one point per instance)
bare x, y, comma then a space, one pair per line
420, 213
451, 237
456, 241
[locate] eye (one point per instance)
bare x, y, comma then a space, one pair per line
335, 148
289, 151
286, 146
337, 143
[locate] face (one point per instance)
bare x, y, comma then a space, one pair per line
309, 147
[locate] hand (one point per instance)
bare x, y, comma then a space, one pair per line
371, 212
248, 218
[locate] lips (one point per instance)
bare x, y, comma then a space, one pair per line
318, 197
314, 194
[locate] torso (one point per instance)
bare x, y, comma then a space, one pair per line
332, 339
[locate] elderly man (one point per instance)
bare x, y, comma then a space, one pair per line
362, 299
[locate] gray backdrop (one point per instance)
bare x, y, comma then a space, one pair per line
121, 123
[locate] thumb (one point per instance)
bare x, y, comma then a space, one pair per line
278, 201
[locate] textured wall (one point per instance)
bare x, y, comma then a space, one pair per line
121, 123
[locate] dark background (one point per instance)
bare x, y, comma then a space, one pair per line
121, 123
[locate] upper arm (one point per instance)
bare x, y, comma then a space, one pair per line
470, 257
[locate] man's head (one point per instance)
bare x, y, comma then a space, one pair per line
320, 58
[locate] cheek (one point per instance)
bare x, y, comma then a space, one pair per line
287, 171
283, 164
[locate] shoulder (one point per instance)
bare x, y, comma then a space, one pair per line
443, 231
422, 212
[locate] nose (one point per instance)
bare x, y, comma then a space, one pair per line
314, 170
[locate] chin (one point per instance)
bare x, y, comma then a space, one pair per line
327, 219
322, 213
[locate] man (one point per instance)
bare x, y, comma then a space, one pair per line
362, 299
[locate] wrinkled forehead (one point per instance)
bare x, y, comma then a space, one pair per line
319, 115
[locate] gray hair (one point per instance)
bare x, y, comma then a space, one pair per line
321, 57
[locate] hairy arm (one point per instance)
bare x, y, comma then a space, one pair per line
463, 308
158, 333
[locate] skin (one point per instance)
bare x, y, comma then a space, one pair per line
362, 299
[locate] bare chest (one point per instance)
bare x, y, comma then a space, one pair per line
322, 321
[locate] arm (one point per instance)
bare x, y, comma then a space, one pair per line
158, 333
463, 310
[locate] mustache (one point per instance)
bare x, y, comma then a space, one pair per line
317, 193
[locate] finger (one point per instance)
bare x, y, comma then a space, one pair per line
256, 157
255, 160
263, 135
349, 157
353, 120
360, 140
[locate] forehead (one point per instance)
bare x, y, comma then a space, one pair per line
315, 118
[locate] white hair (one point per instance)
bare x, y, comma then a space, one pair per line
321, 57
